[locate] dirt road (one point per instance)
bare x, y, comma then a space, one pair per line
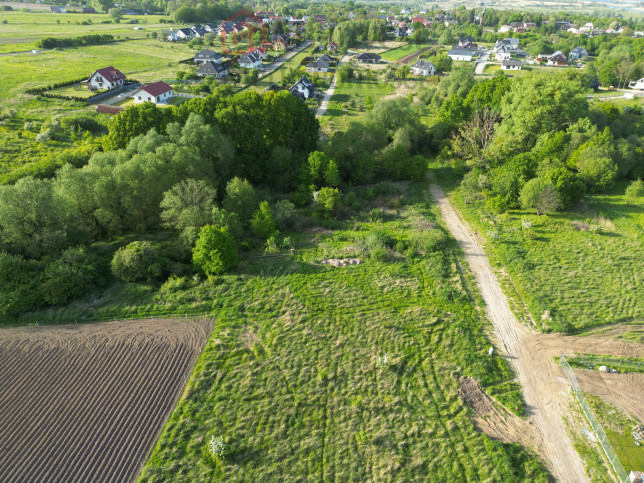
325, 100
543, 384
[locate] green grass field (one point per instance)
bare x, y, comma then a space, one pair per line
402, 51
277, 75
290, 377
583, 279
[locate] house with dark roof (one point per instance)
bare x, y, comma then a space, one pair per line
226, 28
332, 47
423, 68
199, 31
251, 60
465, 41
368, 58
185, 34
260, 51
205, 55
511, 65
557, 59
578, 53
303, 89
326, 58
106, 78
156, 93
461, 53
210, 68
317, 66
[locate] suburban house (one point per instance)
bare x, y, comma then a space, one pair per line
557, 59
280, 43
156, 93
461, 53
106, 78
303, 89
170, 35
368, 58
250, 61
423, 67
326, 58
261, 51
511, 65
213, 69
226, 28
401, 32
578, 53
210, 27
185, 34
55, 9
506, 45
332, 47
317, 66
199, 31
206, 55
465, 41
502, 55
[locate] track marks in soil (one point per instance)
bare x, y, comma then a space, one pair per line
85, 402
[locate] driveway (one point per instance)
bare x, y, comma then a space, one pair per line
325, 100
481, 62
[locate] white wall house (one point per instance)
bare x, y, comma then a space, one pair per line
250, 61
106, 78
503, 55
511, 65
156, 93
423, 67
460, 54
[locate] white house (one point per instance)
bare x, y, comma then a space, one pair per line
251, 60
578, 53
185, 34
423, 67
502, 55
460, 53
156, 93
106, 78
170, 35
303, 89
557, 59
511, 65
317, 66
205, 55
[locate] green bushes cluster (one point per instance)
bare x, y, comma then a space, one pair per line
60, 42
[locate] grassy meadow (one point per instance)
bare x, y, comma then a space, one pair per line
582, 277
291, 380
398, 53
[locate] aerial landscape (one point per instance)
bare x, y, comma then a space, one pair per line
330, 241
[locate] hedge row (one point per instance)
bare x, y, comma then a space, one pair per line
52, 43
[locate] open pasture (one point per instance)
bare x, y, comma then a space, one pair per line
86, 402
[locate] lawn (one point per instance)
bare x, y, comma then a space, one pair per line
582, 278
402, 51
278, 75
290, 378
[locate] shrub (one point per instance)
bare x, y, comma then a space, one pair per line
215, 251
539, 194
136, 261
240, 198
284, 214
328, 199
634, 191
227, 220
68, 276
262, 222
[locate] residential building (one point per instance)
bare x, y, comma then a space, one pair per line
423, 68
368, 58
557, 59
303, 89
206, 55
317, 66
210, 68
106, 78
511, 65
250, 61
461, 53
332, 47
156, 93
185, 34
578, 53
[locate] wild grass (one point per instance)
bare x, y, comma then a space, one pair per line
402, 51
290, 377
621, 364
571, 279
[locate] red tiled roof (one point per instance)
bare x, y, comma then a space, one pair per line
110, 74
261, 50
156, 89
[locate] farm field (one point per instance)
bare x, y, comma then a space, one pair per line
291, 380
583, 279
86, 402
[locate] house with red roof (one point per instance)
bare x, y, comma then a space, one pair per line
260, 51
106, 78
156, 93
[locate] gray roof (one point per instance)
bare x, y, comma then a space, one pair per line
578, 50
369, 56
249, 58
318, 64
511, 63
423, 64
211, 68
461, 51
207, 54
326, 58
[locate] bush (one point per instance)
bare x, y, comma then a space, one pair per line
240, 198
284, 214
328, 199
539, 194
215, 251
69, 276
227, 220
136, 261
262, 222
634, 191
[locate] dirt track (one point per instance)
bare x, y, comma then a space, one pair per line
543, 383
86, 402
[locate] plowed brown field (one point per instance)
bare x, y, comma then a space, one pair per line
86, 402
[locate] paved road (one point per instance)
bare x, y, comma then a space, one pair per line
279, 62
480, 63
546, 395
325, 100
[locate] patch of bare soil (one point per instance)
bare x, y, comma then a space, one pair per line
87, 402
497, 425
626, 391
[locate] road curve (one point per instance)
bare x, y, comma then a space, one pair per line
544, 389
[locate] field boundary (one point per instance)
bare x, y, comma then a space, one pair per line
619, 470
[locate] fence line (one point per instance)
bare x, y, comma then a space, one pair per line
622, 476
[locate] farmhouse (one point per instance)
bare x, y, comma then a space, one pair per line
303, 89
423, 67
156, 93
368, 58
578, 53
106, 78
250, 61
206, 55
212, 69
511, 65
317, 66
461, 53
